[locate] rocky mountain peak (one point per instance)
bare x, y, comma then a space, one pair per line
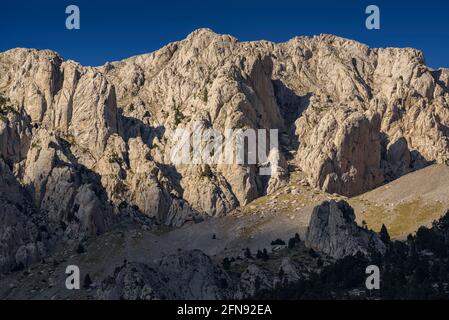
349, 119
333, 230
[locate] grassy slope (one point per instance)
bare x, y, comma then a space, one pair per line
405, 204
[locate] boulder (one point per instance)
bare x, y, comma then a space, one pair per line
333, 231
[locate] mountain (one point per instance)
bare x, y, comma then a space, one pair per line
87, 151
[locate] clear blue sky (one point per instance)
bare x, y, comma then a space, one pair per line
113, 30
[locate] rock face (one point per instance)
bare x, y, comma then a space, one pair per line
24, 235
88, 144
342, 152
189, 275
333, 231
254, 279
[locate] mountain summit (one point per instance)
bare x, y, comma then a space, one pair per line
84, 146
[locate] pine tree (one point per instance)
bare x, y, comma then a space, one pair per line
248, 254
226, 263
281, 273
80, 249
87, 282
384, 236
265, 255
291, 243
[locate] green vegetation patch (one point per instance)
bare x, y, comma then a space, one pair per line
400, 219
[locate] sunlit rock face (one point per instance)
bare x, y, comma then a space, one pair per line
97, 141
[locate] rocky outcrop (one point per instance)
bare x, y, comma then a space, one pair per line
392, 84
341, 153
80, 105
71, 194
255, 279
350, 117
293, 270
205, 81
25, 235
333, 231
187, 275
61, 95
337, 86
397, 160
15, 131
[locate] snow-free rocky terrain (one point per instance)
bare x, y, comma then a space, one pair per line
86, 176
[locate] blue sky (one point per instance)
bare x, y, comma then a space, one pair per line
113, 30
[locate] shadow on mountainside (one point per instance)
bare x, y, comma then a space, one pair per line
437, 76
134, 127
398, 160
291, 107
